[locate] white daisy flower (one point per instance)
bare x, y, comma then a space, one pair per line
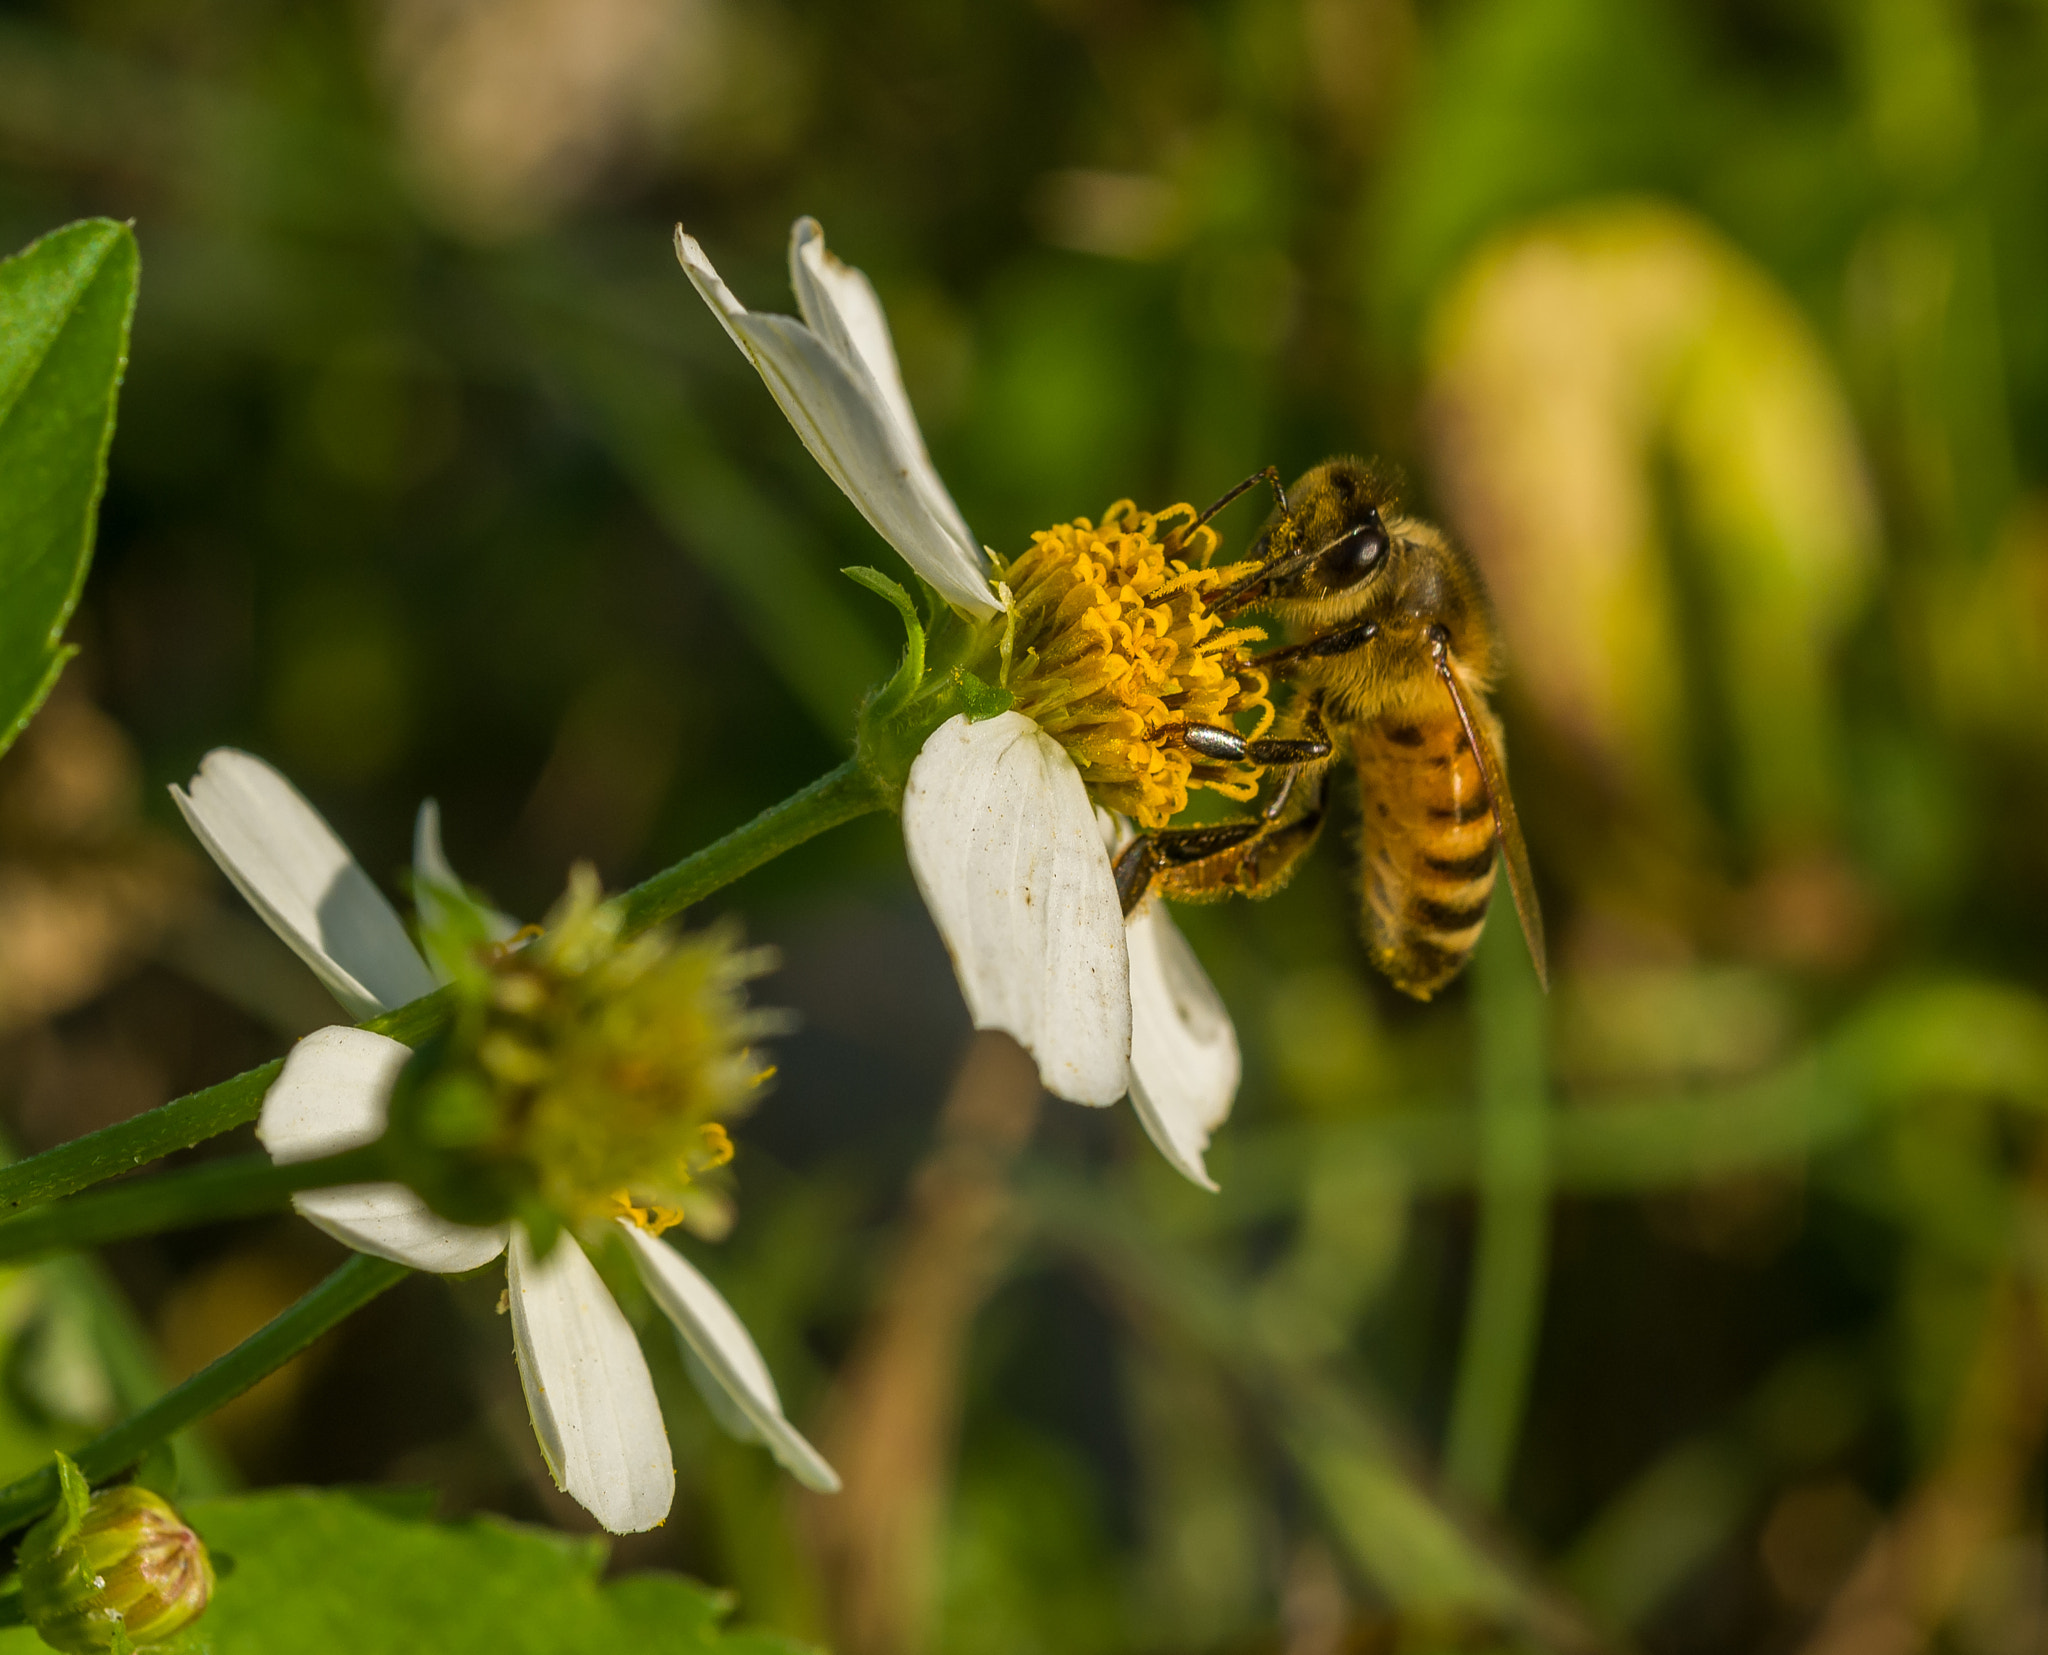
1100, 636
587, 1386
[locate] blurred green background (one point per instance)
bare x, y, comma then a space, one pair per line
1694, 1309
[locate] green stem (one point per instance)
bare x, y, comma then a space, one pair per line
1504, 1312
838, 797
351, 1287
236, 1188
182, 1122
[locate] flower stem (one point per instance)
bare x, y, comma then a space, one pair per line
182, 1122
1504, 1312
351, 1287
235, 1188
837, 797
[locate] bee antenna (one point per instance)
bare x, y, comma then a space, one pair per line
1270, 476
1253, 584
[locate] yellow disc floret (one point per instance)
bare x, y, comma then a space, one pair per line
1112, 650
588, 1074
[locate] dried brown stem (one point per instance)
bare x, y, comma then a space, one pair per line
891, 1420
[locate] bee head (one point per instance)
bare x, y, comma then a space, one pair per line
1354, 556
1331, 540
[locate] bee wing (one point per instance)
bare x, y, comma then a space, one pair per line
1507, 826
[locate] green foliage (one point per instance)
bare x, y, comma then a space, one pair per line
316, 1572
65, 305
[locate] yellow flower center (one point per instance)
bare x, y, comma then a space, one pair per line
1114, 651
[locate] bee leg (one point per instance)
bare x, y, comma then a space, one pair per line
1253, 858
1133, 871
1312, 734
1269, 861
1258, 865
1213, 741
1344, 641
1152, 854
1281, 750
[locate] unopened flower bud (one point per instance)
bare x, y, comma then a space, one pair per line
110, 1570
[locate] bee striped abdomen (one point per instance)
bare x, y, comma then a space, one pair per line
1427, 844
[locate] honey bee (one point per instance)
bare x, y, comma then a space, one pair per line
1395, 654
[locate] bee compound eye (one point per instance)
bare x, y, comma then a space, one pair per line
1357, 552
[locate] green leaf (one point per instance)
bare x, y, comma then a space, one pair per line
65, 305
322, 1572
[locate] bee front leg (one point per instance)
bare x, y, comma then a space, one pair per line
1213, 741
1345, 640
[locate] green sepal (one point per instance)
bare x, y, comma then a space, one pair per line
443, 1134
980, 699
74, 1499
909, 672
543, 1226
456, 927
957, 667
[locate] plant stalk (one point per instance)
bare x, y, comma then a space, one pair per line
1503, 1314
343, 1293
237, 1188
834, 798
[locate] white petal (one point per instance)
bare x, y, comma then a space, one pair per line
1184, 1058
1004, 845
840, 306
588, 1389
721, 1342
287, 861
392, 1222
846, 419
332, 1096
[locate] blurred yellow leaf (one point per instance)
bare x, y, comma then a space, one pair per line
1650, 456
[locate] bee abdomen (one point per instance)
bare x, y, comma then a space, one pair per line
1428, 851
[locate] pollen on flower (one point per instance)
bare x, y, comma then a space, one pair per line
654, 1218
1111, 648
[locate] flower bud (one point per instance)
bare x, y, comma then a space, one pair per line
111, 1570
